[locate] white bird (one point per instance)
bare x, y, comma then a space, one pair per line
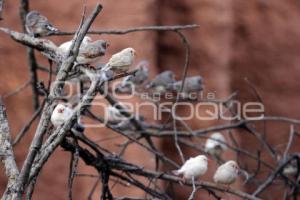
121, 61
65, 47
291, 169
38, 25
227, 173
114, 115
61, 114
216, 144
193, 168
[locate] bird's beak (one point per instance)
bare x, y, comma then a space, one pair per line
60, 110
239, 170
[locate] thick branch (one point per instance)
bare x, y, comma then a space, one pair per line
61, 77
7, 158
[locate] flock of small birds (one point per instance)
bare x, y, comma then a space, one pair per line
193, 168
90, 51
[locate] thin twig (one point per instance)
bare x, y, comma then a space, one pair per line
135, 29
27, 126
17, 90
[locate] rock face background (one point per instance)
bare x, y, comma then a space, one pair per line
258, 40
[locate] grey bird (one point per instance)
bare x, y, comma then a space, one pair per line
137, 79
91, 52
191, 85
161, 81
38, 25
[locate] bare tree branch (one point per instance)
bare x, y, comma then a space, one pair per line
8, 158
135, 29
61, 76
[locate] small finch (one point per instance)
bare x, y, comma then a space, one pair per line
216, 144
65, 47
161, 81
121, 61
137, 79
191, 85
38, 25
63, 113
91, 52
114, 115
227, 173
193, 168
291, 169
60, 115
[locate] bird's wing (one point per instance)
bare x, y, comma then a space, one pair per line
65, 46
120, 60
210, 144
187, 163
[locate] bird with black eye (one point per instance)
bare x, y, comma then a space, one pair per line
38, 25
120, 62
159, 84
61, 114
136, 80
191, 87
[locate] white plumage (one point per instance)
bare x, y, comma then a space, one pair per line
291, 169
61, 114
113, 115
65, 47
216, 144
121, 61
227, 173
193, 167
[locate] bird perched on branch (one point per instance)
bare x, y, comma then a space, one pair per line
61, 114
191, 85
291, 169
65, 47
216, 144
91, 52
38, 25
161, 81
114, 115
136, 79
121, 61
227, 173
193, 168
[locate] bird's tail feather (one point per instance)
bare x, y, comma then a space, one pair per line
51, 28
